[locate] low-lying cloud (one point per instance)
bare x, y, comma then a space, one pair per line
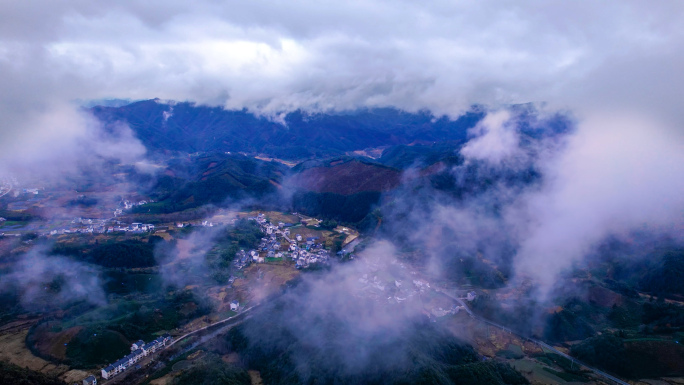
42, 281
536, 206
616, 175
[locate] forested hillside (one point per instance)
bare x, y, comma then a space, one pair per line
186, 127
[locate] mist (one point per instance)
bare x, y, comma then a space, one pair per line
537, 206
348, 315
43, 281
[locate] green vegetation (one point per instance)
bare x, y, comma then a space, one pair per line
571, 323
404, 156
667, 276
211, 179
605, 351
490, 372
327, 352
569, 377
94, 346
245, 234
15, 375
127, 253
211, 370
345, 208
108, 330
636, 358
328, 224
662, 316
17, 216
513, 352
626, 316
194, 128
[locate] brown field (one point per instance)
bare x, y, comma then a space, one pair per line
488, 340
348, 178
13, 349
262, 280
53, 344
230, 358
255, 377
306, 232
273, 216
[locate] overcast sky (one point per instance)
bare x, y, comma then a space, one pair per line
274, 56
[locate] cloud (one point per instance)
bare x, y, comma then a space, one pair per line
64, 142
495, 140
537, 205
184, 262
595, 60
617, 175
41, 281
442, 55
350, 313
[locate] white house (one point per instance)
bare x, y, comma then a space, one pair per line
90, 380
235, 306
137, 345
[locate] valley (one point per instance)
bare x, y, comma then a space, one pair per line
382, 265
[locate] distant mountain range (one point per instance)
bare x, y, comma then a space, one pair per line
186, 127
218, 154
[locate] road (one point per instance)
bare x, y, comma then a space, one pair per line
543, 344
130, 376
351, 245
210, 326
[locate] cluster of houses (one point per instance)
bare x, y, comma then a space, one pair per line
127, 205
139, 350
99, 226
133, 228
304, 253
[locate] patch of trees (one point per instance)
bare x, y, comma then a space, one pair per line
94, 346
329, 353
211, 370
632, 358
211, 180
571, 323
662, 315
128, 253
519, 318
328, 224
605, 351
83, 201
165, 314
245, 234
16, 375
668, 276
626, 316
18, 216
345, 208
125, 282
476, 272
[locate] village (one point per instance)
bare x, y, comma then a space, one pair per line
278, 245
